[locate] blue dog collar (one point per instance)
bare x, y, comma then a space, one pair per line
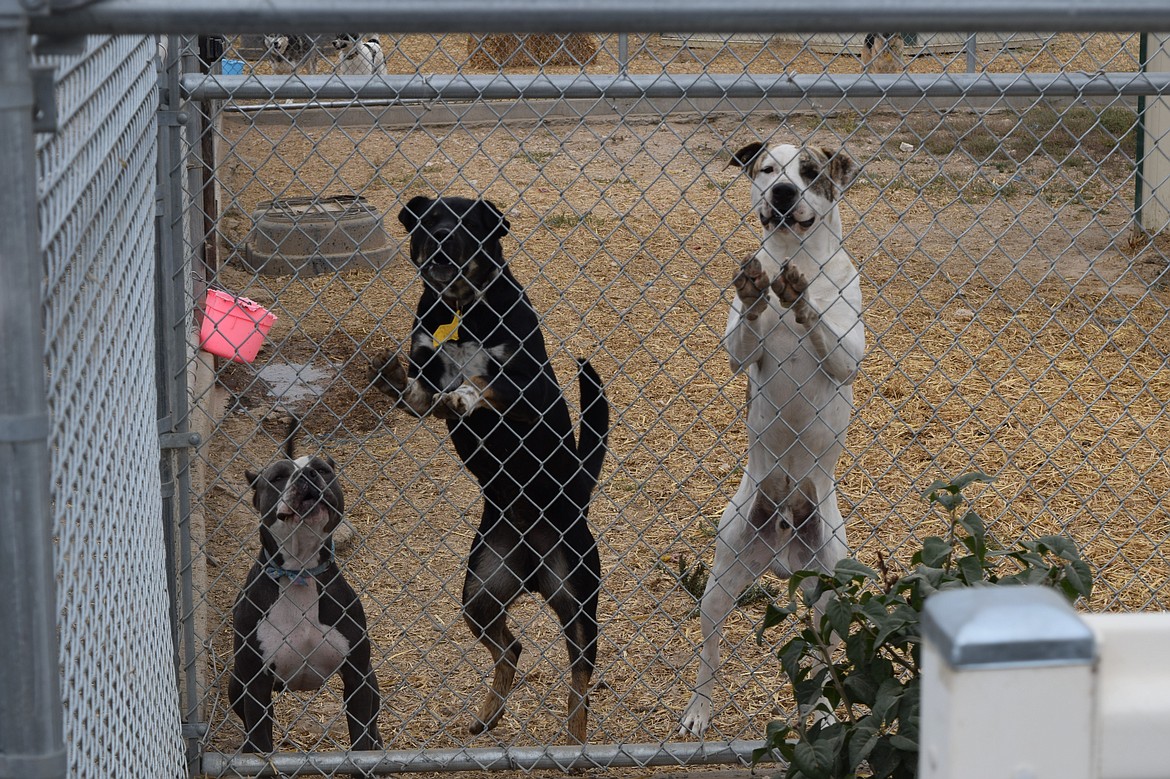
300, 576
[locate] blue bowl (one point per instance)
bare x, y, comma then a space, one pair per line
232, 67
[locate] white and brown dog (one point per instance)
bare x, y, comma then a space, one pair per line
795, 328
358, 56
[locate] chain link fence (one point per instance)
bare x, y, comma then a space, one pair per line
96, 173
1014, 309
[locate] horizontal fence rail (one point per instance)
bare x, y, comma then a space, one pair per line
544, 87
591, 16
569, 759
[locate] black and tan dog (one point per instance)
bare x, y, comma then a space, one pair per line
478, 360
297, 621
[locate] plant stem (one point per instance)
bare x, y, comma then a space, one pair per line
827, 653
950, 541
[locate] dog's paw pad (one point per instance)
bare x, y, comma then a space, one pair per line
751, 281
751, 285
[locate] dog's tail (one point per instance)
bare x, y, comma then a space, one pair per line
593, 438
290, 436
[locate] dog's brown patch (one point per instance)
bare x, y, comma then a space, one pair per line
828, 172
749, 158
503, 679
501, 404
814, 164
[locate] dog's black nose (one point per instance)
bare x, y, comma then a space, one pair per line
784, 197
444, 239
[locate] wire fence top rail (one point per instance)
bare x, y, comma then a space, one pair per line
540, 86
523, 16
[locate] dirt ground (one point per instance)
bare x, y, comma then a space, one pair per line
1013, 328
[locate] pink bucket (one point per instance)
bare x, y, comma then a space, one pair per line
234, 327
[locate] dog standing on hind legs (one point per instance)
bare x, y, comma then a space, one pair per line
478, 360
795, 329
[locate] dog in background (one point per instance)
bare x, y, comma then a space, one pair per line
795, 329
297, 621
881, 52
478, 360
292, 53
358, 56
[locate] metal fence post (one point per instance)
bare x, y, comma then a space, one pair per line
171, 342
1007, 686
31, 717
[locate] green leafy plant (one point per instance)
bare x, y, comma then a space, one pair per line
854, 667
693, 579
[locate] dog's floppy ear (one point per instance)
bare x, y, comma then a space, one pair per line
494, 217
842, 168
747, 155
337, 496
413, 211
253, 478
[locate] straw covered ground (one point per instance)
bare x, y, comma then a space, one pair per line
1013, 328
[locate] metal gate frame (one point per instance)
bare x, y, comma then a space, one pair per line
218, 16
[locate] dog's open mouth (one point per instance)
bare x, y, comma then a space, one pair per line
308, 509
777, 221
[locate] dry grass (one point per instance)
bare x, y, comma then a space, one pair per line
1010, 330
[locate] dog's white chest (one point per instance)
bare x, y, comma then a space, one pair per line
365, 59
301, 652
464, 361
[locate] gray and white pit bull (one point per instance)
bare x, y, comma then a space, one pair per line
297, 621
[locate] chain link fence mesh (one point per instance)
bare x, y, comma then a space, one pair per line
97, 187
1016, 323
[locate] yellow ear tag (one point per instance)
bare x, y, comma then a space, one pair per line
447, 332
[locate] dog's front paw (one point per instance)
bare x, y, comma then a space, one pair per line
387, 374
462, 400
344, 536
789, 285
751, 285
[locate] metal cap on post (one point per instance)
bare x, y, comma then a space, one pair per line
998, 627
1007, 681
